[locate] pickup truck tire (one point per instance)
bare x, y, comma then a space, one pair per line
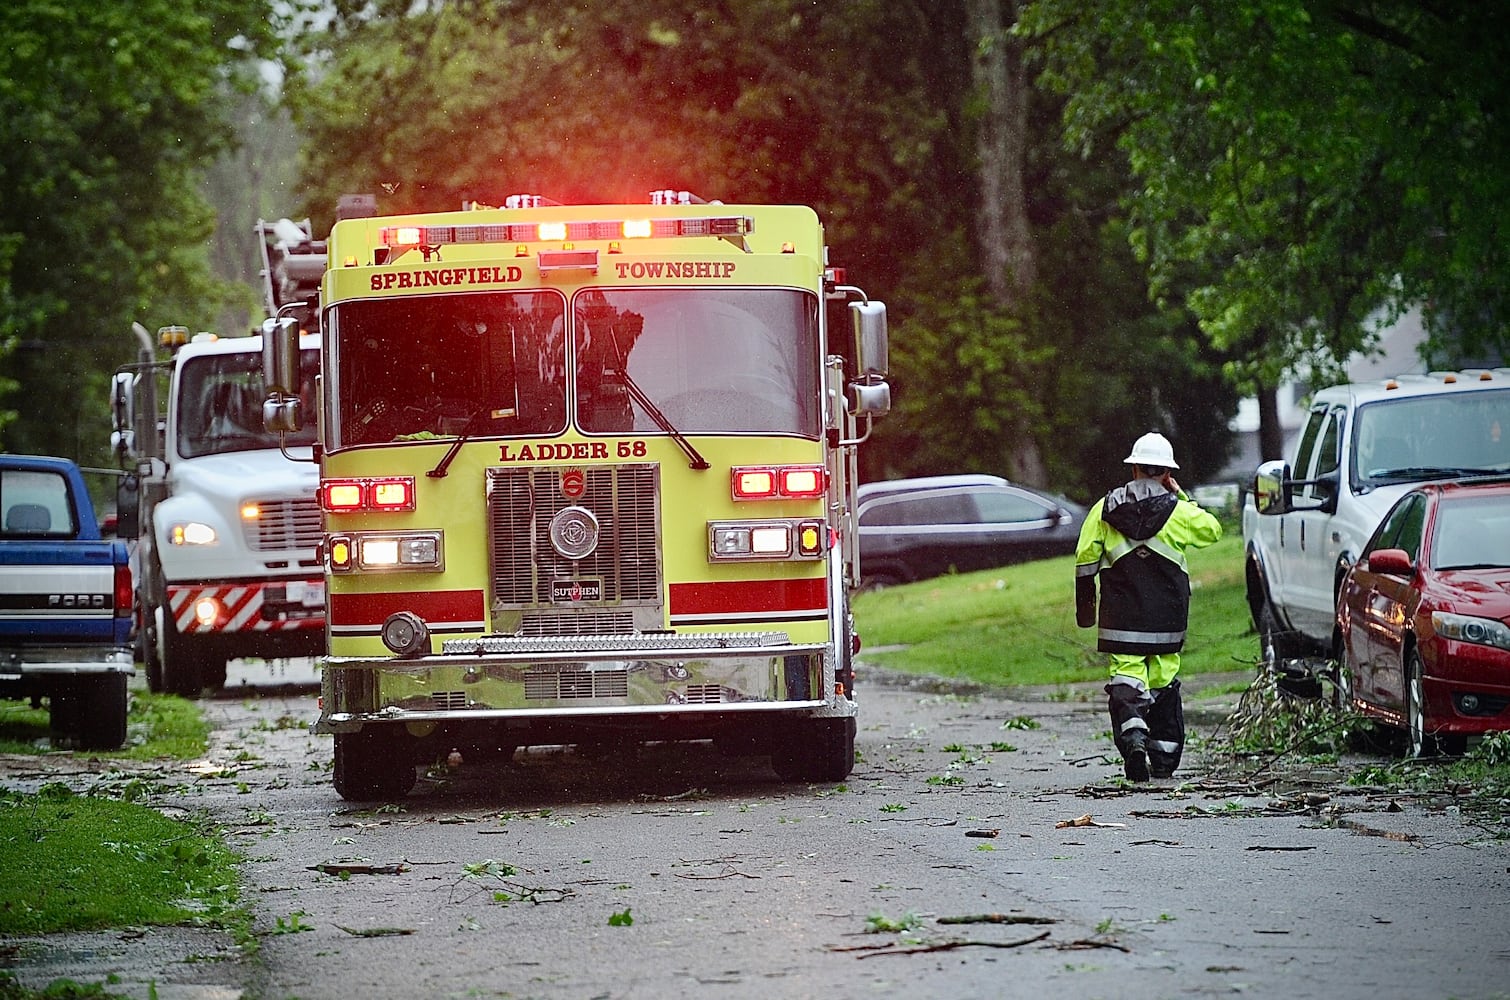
371, 766
89, 712
1275, 644
816, 750
102, 713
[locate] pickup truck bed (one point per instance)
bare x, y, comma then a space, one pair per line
65, 603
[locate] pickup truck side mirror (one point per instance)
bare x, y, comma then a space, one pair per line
1271, 488
1274, 490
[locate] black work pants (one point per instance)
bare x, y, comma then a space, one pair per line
1154, 717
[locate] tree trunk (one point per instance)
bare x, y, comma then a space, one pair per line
1006, 240
1001, 78
1271, 436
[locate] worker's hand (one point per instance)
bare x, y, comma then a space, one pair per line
1170, 483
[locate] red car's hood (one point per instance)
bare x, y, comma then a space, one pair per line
1484, 593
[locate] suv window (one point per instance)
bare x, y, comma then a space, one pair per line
927, 508
1008, 507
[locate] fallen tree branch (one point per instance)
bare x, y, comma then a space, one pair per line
997, 918
953, 945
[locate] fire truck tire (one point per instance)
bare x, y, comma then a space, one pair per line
371, 766
102, 713
817, 750
181, 667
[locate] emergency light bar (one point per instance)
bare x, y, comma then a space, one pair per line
402, 238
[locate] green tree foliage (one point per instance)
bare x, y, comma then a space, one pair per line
1300, 163
108, 115
863, 109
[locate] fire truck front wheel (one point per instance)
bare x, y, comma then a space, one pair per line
815, 750
372, 766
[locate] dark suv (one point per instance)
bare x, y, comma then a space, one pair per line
913, 529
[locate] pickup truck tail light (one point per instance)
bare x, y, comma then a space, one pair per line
125, 594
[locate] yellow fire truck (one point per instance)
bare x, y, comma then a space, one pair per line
587, 474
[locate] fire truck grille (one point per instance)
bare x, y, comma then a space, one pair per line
568, 684
705, 694
592, 623
284, 524
625, 501
449, 700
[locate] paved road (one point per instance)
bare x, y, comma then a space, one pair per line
672, 871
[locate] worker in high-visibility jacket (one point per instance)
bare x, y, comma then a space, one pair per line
1135, 539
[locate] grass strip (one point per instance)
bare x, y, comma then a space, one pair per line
1016, 625
80, 862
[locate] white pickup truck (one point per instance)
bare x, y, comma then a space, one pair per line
1362, 447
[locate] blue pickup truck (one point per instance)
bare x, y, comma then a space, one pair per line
65, 603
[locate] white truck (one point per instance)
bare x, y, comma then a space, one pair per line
1363, 446
227, 564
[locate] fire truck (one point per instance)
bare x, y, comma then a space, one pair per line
587, 476
222, 513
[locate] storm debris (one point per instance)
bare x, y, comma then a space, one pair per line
1086, 820
871, 951
373, 932
358, 868
997, 918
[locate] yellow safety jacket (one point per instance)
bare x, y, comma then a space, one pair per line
1135, 539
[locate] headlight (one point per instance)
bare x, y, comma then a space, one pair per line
191, 533
1481, 631
781, 539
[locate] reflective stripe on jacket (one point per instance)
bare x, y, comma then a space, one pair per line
1135, 539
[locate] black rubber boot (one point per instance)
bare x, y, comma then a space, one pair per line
1135, 757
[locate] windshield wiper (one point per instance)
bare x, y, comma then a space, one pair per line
638, 395
1429, 472
439, 472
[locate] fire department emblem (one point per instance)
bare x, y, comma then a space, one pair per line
574, 533
573, 483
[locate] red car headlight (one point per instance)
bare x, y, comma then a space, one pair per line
1463, 628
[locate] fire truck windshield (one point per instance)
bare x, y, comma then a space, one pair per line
713, 360
408, 369
220, 404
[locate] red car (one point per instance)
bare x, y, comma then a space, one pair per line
1423, 617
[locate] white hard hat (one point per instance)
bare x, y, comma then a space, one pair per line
1152, 448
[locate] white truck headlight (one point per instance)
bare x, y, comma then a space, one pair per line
192, 533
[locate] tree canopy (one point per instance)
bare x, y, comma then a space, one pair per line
1302, 166
109, 115
1203, 197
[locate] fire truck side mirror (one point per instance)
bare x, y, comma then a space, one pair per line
128, 507
871, 352
280, 374
123, 409
280, 355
